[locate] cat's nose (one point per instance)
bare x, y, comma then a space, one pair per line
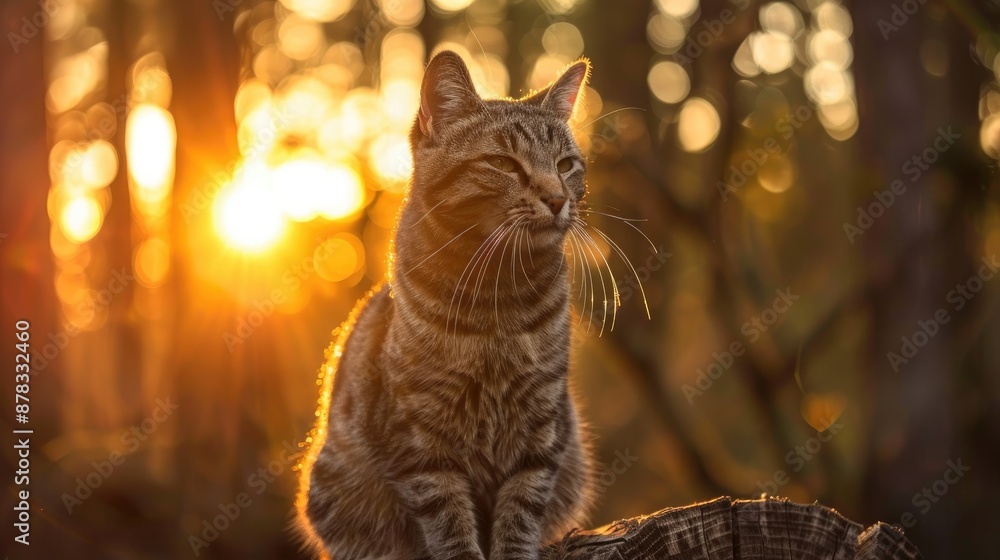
554, 202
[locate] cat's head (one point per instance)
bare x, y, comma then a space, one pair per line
489, 164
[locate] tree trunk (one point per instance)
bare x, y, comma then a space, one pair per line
744, 529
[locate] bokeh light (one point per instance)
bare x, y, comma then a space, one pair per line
339, 258
772, 51
451, 5
781, 17
699, 125
343, 195
666, 34
320, 10
563, 39
300, 38
402, 14
81, 219
100, 164
669, 82
152, 262
679, 9
150, 142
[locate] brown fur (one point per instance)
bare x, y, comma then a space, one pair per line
448, 430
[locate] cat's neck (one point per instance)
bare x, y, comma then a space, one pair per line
476, 287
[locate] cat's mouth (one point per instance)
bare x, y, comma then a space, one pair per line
549, 231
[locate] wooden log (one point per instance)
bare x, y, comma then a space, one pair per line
744, 529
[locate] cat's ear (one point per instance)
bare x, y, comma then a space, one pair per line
446, 93
560, 97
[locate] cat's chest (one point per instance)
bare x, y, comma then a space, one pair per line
499, 404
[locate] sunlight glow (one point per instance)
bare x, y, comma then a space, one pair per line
342, 195
390, 157
247, 216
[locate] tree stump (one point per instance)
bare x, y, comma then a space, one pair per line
742, 529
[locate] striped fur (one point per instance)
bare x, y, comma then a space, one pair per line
448, 430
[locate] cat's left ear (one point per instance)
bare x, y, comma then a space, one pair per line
446, 93
561, 96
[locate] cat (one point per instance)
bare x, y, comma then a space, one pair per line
448, 430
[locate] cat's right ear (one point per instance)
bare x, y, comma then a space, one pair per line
446, 93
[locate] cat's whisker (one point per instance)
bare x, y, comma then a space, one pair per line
526, 233
452, 240
530, 249
428, 213
496, 285
466, 269
579, 255
587, 204
614, 283
590, 211
625, 258
562, 260
488, 259
482, 263
605, 115
593, 287
589, 242
628, 222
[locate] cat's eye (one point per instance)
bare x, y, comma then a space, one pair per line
503, 163
564, 165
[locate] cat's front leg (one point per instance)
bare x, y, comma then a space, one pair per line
517, 518
440, 502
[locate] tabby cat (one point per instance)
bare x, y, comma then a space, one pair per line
448, 430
